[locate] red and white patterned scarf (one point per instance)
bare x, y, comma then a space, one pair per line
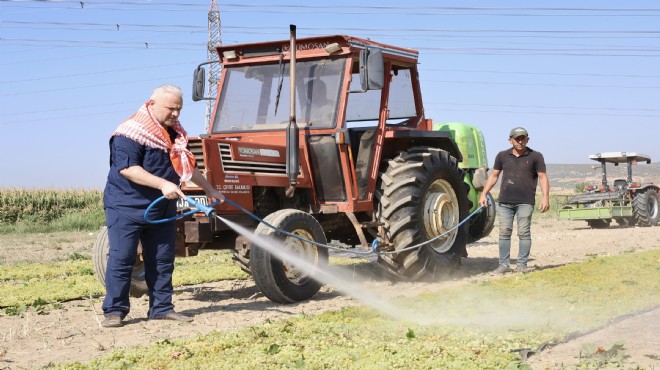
144, 129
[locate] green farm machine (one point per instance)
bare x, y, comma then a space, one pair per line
625, 201
472, 144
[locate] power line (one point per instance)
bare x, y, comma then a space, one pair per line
541, 84
553, 113
384, 36
89, 86
444, 104
71, 108
476, 52
416, 33
542, 106
115, 26
99, 113
77, 116
141, 43
324, 6
430, 50
539, 73
266, 8
444, 35
93, 73
389, 29
51, 58
462, 82
422, 70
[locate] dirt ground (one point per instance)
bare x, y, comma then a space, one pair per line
73, 333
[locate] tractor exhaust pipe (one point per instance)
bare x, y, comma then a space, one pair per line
292, 129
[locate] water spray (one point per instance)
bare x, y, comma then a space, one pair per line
495, 314
325, 274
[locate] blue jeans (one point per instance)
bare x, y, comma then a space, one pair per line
506, 213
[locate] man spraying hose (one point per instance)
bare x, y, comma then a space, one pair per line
148, 159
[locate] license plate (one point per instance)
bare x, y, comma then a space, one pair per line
182, 203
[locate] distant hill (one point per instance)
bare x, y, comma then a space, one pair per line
567, 176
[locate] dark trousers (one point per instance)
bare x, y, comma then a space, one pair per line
158, 254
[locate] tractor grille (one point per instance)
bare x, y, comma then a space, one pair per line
230, 165
195, 147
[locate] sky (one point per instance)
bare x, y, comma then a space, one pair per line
580, 76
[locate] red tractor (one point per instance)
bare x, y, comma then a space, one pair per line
326, 138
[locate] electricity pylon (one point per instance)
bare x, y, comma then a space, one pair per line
215, 38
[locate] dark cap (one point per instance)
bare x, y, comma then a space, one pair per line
518, 131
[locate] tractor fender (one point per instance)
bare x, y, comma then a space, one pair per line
404, 139
648, 185
470, 141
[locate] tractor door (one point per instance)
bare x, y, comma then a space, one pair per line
362, 117
326, 168
319, 89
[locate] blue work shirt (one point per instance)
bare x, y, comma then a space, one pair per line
129, 198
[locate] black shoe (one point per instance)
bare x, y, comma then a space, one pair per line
522, 269
112, 321
174, 316
502, 269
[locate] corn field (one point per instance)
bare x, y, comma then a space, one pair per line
47, 205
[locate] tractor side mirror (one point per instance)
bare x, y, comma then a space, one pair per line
372, 69
199, 80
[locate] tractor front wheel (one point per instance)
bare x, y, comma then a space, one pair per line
283, 266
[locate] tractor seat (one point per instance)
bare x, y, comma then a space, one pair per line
620, 184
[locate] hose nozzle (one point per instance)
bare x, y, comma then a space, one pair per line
209, 211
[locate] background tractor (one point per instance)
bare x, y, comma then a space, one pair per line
326, 138
626, 201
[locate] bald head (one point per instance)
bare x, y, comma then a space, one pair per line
166, 103
167, 89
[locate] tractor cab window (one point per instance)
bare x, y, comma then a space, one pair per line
363, 108
402, 98
256, 97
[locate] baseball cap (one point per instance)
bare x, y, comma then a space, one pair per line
518, 131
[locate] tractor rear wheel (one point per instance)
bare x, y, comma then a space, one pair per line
100, 253
283, 266
482, 223
645, 207
422, 195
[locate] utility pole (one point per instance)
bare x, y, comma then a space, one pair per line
215, 38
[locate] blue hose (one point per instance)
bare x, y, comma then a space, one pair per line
210, 212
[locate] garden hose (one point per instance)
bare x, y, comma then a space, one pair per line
208, 210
